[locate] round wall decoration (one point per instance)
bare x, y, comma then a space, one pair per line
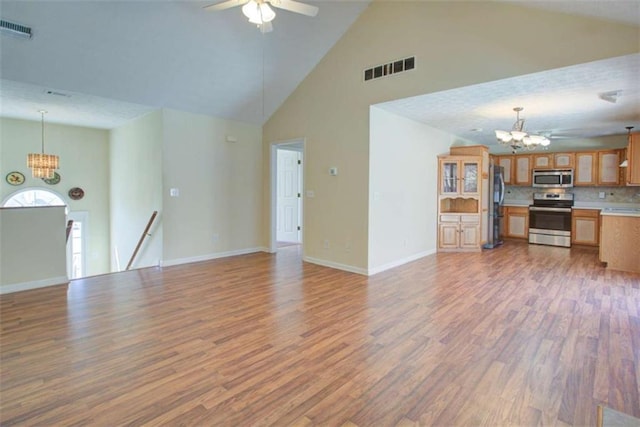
76, 193
54, 180
15, 178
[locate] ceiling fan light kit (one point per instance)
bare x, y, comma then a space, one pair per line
517, 138
260, 12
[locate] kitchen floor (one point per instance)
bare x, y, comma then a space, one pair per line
517, 335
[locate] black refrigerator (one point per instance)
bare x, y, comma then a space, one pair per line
496, 198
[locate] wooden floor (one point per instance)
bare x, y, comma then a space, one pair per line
519, 335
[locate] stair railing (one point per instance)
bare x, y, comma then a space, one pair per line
145, 233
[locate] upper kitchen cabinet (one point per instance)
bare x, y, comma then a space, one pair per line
522, 173
564, 160
460, 176
542, 161
517, 168
553, 161
586, 168
608, 164
507, 163
633, 160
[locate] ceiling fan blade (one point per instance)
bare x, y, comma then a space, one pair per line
265, 27
294, 6
225, 5
551, 135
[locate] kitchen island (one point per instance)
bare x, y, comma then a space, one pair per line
619, 237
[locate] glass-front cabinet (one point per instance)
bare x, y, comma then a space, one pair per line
470, 176
459, 176
449, 170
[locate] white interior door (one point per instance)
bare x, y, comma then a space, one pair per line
288, 196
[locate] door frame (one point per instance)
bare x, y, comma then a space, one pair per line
83, 218
274, 189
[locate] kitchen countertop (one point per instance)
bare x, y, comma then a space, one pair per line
621, 212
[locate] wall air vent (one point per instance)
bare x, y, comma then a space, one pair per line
390, 68
15, 30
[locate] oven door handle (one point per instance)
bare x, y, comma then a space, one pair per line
536, 208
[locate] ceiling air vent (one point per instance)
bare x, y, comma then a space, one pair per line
390, 68
13, 29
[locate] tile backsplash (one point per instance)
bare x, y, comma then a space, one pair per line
582, 194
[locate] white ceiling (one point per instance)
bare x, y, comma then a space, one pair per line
117, 60
562, 102
158, 54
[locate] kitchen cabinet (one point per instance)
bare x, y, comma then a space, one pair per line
586, 168
522, 175
553, 161
457, 232
633, 160
459, 176
585, 227
542, 161
608, 164
460, 199
517, 222
564, 160
619, 236
507, 163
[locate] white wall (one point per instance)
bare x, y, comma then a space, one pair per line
219, 210
136, 190
403, 182
33, 248
84, 163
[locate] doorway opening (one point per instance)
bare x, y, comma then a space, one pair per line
287, 168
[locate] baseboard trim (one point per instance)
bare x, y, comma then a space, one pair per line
208, 257
336, 265
400, 262
36, 284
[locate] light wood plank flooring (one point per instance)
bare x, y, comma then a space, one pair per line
519, 335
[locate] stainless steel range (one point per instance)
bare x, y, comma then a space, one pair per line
550, 219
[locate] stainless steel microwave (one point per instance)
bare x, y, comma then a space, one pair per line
552, 178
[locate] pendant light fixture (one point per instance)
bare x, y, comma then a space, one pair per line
625, 162
42, 165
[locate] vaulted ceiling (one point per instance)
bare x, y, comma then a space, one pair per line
102, 63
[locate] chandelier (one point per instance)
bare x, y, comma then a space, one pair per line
42, 165
518, 138
259, 12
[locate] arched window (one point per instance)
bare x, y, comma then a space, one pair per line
33, 197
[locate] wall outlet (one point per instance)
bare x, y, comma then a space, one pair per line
215, 238
601, 195
325, 244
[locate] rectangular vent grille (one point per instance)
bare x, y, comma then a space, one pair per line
390, 68
14, 29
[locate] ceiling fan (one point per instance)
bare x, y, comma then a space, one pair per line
260, 13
